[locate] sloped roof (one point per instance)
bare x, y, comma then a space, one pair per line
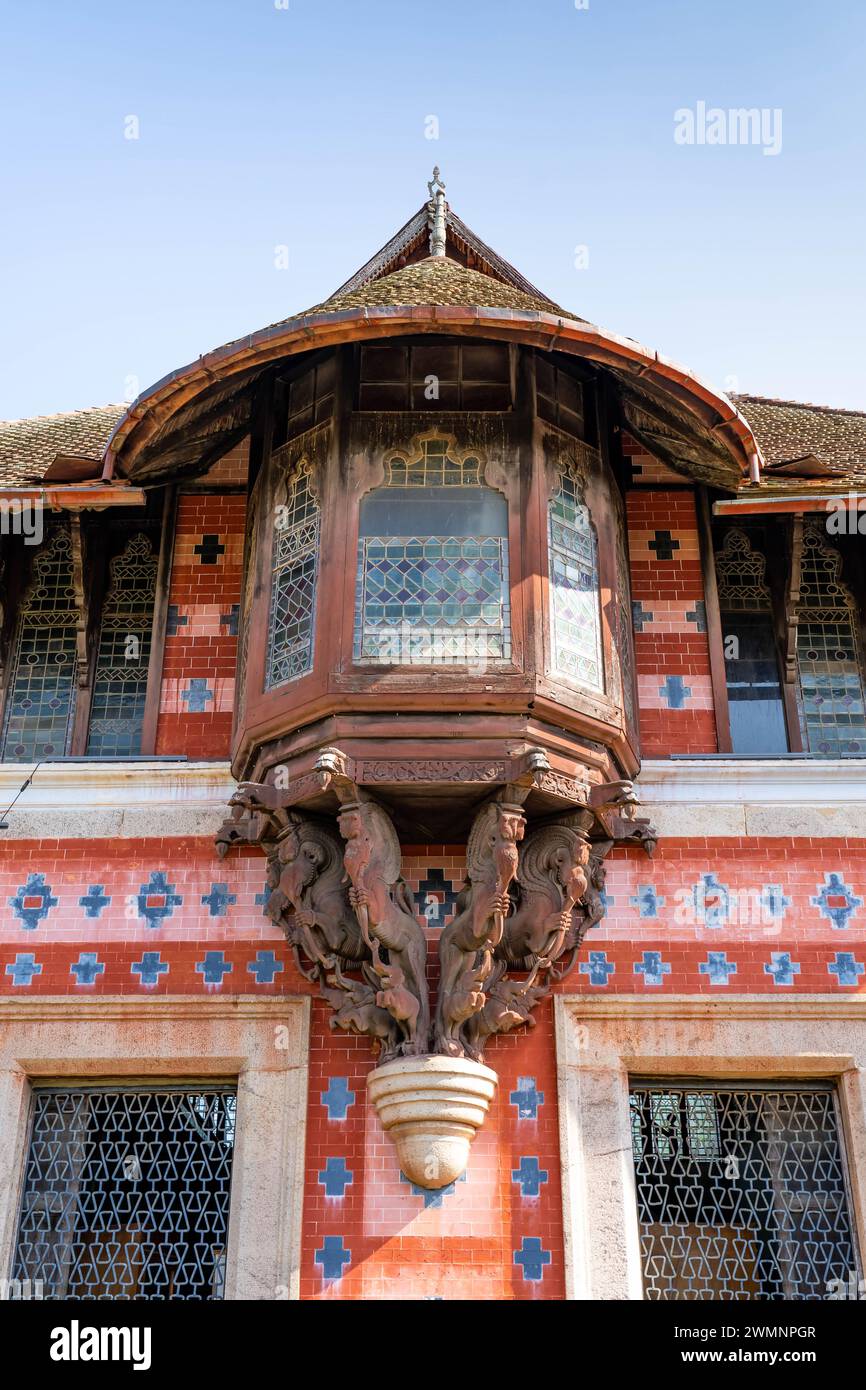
789, 430
28, 447
438, 280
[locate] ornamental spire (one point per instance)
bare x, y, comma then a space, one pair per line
436, 214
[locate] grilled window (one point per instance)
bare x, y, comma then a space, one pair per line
575, 606
741, 1192
829, 654
120, 678
126, 1193
433, 565
40, 701
295, 562
755, 704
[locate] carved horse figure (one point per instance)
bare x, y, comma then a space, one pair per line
308, 894
552, 880
383, 908
492, 861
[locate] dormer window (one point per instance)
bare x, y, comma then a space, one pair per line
432, 564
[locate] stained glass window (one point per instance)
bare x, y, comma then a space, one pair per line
829, 655
755, 706
40, 702
295, 560
120, 680
433, 565
575, 611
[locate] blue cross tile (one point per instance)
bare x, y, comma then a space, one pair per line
835, 900
846, 969
265, 967
213, 967
698, 615
263, 897
335, 1177
33, 902
23, 968
529, 1176
432, 1197
149, 968
774, 902
607, 900
782, 968
675, 692
230, 620
532, 1258
332, 1256
157, 899
94, 900
652, 967
639, 615
717, 967
647, 901
218, 900
86, 968
527, 1098
174, 622
435, 898
597, 967
712, 901
337, 1098
198, 695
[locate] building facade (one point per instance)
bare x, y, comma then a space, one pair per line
433, 736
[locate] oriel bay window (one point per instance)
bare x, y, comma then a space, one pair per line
792, 633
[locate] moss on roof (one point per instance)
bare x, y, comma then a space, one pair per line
438, 280
789, 430
28, 447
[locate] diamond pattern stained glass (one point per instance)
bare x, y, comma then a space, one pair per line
120, 682
433, 564
741, 1192
575, 613
126, 1194
829, 654
295, 572
41, 697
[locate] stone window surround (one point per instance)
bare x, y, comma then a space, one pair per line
181, 1038
601, 1043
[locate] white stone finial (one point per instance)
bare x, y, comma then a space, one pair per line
436, 214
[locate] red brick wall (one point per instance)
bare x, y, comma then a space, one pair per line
735, 915
675, 694
197, 693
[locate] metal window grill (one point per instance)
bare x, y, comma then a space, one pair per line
41, 701
126, 1193
120, 680
741, 1193
295, 564
829, 655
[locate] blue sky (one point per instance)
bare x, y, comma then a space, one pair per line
305, 127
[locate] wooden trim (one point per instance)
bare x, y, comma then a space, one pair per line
160, 621
715, 636
87, 604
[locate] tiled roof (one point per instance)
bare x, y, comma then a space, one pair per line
28, 447
789, 430
438, 280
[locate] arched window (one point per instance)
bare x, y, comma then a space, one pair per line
433, 565
40, 701
755, 702
575, 609
120, 677
829, 654
295, 564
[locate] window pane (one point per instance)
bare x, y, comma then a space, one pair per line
741, 1193
295, 561
575, 612
828, 654
126, 1193
41, 697
754, 691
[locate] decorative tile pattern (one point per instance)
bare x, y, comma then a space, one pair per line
652, 967
23, 968
150, 968
33, 902
781, 968
94, 901
597, 967
157, 899
338, 1098
218, 900
717, 968
335, 1177
835, 901
333, 1256
527, 1098
213, 967
532, 1259
87, 968
529, 1176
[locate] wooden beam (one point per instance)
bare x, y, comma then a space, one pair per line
715, 636
160, 620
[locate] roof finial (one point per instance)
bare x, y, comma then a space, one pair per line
436, 214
